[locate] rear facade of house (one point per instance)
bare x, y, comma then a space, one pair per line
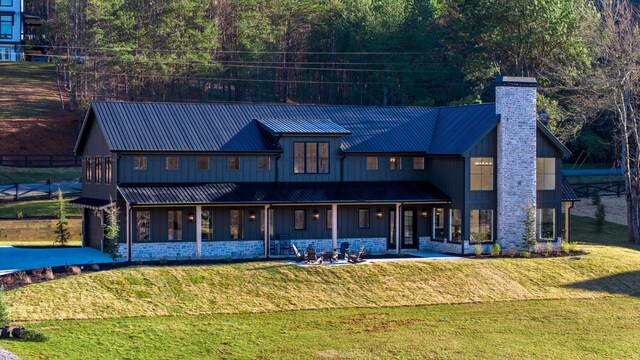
249, 180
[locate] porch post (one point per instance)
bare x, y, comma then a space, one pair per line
198, 231
398, 232
129, 232
265, 221
334, 226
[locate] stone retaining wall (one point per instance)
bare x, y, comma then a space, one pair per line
36, 230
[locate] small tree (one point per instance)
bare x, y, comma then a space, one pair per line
595, 198
62, 227
600, 216
4, 317
111, 230
529, 241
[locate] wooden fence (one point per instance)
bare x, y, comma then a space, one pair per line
40, 160
43, 189
613, 188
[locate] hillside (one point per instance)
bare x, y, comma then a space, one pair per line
31, 117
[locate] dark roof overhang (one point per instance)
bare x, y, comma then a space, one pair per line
90, 203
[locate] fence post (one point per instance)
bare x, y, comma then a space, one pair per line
17, 190
49, 183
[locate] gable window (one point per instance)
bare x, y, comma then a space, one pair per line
546, 224
372, 163
88, 169
438, 223
311, 158
481, 173
233, 163
98, 170
481, 222
546, 173
107, 170
140, 163
174, 220
363, 218
418, 163
264, 163
207, 224
299, 219
171, 163
395, 163
143, 228
455, 230
202, 163
235, 224
6, 26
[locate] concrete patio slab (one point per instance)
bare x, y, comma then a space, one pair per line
14, 259
412, 257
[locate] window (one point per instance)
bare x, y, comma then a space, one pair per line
6, 26
418, 163
395, 163
372, 163
235, 221
456, 225
88, 170
98, 170
271, 223
206, 218
546, 173
143, 228
481, 225
299, 220
6, 2
546, 224
329, 219
174, 222
233, 163
481, 173
363, 218
140, 163
264, 163
171, 163
202, 163
107, 170
311, 158
438, 224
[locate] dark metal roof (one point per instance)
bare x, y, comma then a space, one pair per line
568, 194
460, 127
302, 126
283, 193
84, 202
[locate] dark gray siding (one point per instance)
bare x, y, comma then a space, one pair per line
159, 225
448, 175
222, 223
96, 145
355, 169
315, 229
551, 199
481, 199
285, 163
187, 173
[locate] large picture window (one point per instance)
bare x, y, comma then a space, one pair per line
6, 26
438, 224
481, 223
481, 173
372, 163
98, 165
140, 163
546, 224
88, 169
206, 224
363, 218
456, 225
311, 158
174, 220
107, 170
235, 222
299, 219
143, 225
546, 173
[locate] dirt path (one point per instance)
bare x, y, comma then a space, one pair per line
615, 209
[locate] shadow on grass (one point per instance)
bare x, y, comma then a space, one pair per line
583, 232
622, 284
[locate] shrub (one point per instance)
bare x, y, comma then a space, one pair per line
73, 269
4, 317
529, 241
595, 198
62, 234
38, 273
22, 277
34, 336
19, 215
513, 251
478, 249
495, 249
567, 247
48, 274
525, 254
548, 248
228, 259
163, 261
111, 230
599, 215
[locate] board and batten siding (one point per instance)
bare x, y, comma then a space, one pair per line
548, 199
285, 163
355, 169
96, 145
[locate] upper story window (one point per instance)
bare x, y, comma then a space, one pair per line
6, 2
418, 163
233, 163
98, 170
202, 163
481, 173
88, 169
395, 163
546, 173
107, 170
140, 163
172, 163
372, 163
264, 163
311, 158
6, 26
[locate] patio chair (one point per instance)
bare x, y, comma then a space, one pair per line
356, 258
298, 255
331, 256
310, 255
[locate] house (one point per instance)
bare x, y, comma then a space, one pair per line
16, 28
248, 180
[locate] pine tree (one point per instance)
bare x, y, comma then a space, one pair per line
529, 241
111, 230
62, 227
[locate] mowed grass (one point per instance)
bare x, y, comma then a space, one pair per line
12, 175
35, 208
555, 329
29, 90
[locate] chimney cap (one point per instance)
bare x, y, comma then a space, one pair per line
516, 81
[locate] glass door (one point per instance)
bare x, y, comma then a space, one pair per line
391, 239
409, 240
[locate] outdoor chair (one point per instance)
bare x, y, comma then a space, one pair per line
297, 254
310, 255
356, 258
331, 256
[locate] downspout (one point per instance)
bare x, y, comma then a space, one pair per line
129, 225
569, 221
342, 166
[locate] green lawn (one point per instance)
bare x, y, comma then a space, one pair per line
35, 208
33, 90
12, 175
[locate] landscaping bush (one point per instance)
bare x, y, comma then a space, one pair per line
23, 278
548, 248
600, 216
529, 241
567, 247
33, 336
62, 234
478, 249
595, 198
163, 261
525, 254
495, 249
4, 317
111, 230
38, 273
19, 215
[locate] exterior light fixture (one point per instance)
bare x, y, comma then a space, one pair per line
190, 217
424, 212
252, 215
316, 214
379, 213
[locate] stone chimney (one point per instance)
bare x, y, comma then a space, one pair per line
516, 161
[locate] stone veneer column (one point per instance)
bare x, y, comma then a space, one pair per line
516, 162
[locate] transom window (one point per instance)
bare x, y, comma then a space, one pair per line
98, 170
107, 170
418, 163
311, 158
6, 26
481, 173
202, 163
174, 220
546, 173
235, 224
546, 224
88, 170
438, 224
372, 163
233, 163
264, 163
172, 163
140, 163
299, 219
206, 224
143, 225
481, 222
395, 163
363, 218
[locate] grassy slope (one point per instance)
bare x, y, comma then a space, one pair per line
33, 84
36, 208
11, 175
